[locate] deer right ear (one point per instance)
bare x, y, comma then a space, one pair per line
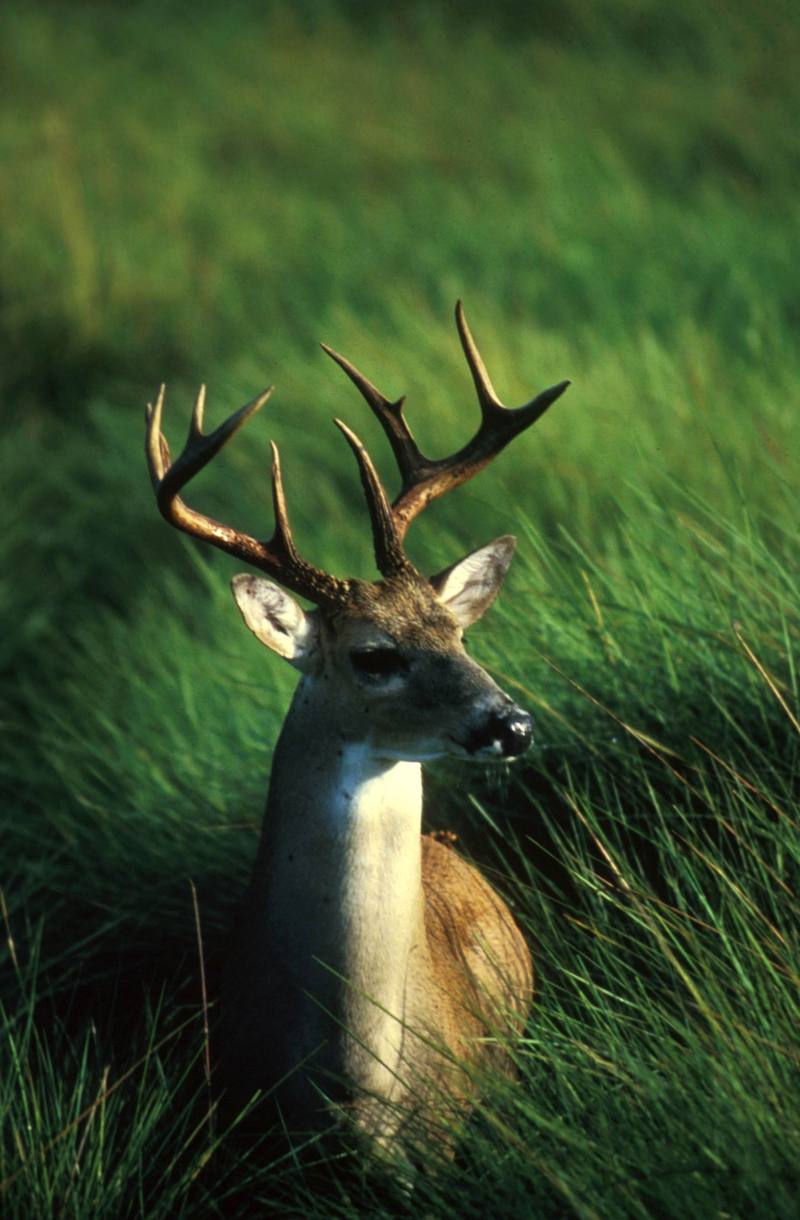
277, 621
469, 587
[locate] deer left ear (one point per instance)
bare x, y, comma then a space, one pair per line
275, 618
469, 587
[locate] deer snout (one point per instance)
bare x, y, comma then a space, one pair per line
505, 733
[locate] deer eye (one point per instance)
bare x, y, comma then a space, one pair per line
378, 662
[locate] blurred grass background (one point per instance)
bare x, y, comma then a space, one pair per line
203, 194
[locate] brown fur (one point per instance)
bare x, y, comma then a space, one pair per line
405, 607
470, 988
481, 960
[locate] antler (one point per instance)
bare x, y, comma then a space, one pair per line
424, 479
278, 557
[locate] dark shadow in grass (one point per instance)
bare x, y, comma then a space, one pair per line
50, 366
135, 1001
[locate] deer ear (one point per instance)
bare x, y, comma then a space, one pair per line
469, 587
277, 621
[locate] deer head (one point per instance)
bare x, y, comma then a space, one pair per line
388, 655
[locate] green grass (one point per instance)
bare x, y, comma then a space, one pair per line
612, 189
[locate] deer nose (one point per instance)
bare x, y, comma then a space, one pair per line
515, 731
506, 733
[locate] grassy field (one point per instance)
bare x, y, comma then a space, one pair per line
204, 195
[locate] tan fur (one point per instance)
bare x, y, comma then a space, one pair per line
481, 960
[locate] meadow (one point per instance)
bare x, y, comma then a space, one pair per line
203, 195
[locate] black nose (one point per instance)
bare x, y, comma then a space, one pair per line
511, 729
516, 731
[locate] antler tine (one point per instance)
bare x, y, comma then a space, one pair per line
491, 406
278, 557
390, 558
282, 542
156, 447
487, 396
199, 448
389, 413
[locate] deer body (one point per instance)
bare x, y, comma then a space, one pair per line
371, 968
363, 950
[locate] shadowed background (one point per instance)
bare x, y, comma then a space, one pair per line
198, 194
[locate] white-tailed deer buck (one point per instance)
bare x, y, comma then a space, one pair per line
372, 968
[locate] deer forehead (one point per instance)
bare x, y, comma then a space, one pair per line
404, 612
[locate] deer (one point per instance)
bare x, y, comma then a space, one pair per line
373, 972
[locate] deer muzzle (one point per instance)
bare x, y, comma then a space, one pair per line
504, 733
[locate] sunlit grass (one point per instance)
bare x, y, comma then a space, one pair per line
613, 194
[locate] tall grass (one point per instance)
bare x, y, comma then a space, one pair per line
613, 191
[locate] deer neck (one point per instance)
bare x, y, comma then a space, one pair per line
337, 889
